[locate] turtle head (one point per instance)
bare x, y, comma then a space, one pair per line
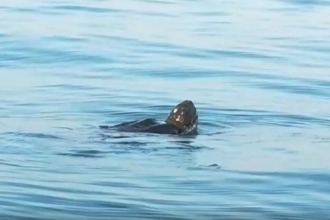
184, 116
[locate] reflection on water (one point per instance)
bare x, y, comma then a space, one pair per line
256, 71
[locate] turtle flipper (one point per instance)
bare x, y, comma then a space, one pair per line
104, 127
163, 129
136, 126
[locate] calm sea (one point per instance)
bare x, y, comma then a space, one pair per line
258, 72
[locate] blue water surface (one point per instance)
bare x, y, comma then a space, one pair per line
258, 72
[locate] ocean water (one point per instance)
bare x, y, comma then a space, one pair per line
258, 72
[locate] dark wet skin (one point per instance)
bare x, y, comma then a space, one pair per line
183, 119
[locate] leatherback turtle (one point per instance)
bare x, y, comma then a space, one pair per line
182, 120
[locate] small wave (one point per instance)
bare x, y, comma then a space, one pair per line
83, 9
308, 2
33, 135
85, 154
